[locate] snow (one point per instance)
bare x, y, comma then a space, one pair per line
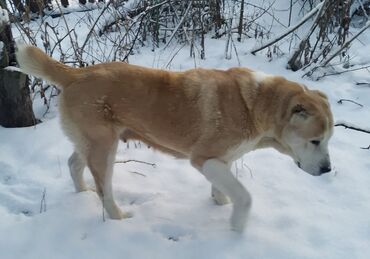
293, 215
4, 17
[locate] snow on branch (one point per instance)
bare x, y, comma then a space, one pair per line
294, 61
4, 17
345, 45
289, 29
179, 24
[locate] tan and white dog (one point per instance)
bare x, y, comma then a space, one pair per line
209, 116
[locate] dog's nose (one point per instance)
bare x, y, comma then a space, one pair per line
325, 169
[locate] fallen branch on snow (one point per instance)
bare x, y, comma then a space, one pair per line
136, 161
347, 100
352, 127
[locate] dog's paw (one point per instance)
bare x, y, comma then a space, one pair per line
238, 225
220, 199
117, 213
127, 215
239, 217
85, 189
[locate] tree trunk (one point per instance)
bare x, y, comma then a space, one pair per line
19, 6
15, 102
215, 6
65, 3
36, 6
240, 27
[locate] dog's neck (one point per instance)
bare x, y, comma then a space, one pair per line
270, 102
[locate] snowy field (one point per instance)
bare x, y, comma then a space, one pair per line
294, 215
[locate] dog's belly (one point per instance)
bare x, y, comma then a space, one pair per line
128, 134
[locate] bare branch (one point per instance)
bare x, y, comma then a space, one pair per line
178, 25
347, 100
352, 127
136, 161
345, 45
289, 29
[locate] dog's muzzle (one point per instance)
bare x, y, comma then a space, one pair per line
298, 164
325, 169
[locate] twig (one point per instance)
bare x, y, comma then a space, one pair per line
345, 44
249, 169
336, 73
363, 83
293, 63
142, 16
178, 25
347, 100
93, 27
289, 29
136, 161
346, 126
134, 172
266, 11
290, 12
75, 49
57, 15
43, 202
174, 55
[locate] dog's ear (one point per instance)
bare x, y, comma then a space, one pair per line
299, 112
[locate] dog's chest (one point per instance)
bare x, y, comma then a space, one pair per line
238, 151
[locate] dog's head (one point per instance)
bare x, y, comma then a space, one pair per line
306, 133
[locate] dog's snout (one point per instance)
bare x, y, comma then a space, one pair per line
325, 169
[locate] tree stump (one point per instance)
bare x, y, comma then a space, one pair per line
15, 102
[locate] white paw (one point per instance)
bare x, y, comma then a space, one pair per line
238, 223
127, 215
115, 212
220, 198
84, 188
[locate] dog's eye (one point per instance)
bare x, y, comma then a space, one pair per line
315, 142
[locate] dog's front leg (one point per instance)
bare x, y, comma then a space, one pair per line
219, 174
219, 197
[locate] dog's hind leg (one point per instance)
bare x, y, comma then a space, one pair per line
77, 165
219, 174
100, 160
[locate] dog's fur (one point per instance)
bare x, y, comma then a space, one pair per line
209, 116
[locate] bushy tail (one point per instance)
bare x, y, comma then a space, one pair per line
35, 62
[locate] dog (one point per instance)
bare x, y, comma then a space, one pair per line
211, 117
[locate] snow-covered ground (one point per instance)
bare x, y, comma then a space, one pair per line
294, 215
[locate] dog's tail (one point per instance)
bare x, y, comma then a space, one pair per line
35, 62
